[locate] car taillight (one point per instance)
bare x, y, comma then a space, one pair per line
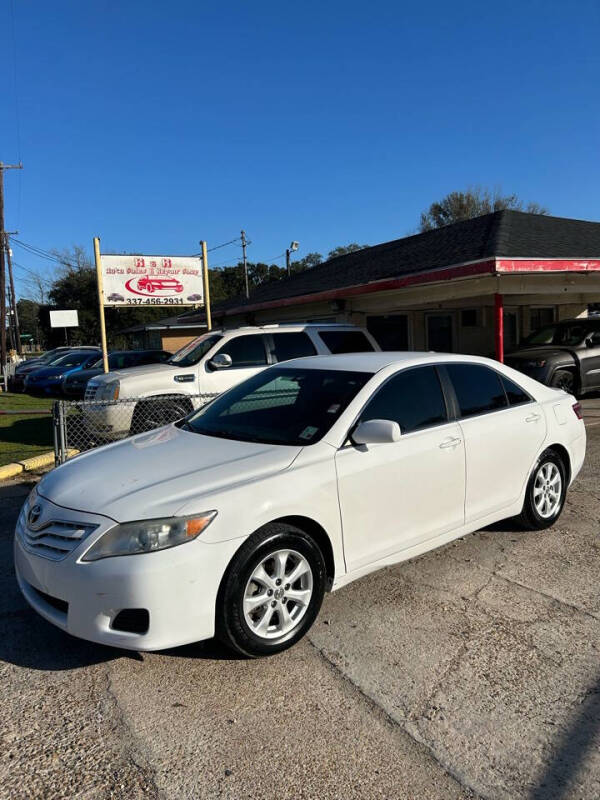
578, 410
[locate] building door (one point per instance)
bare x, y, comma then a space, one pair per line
390, 332
440, 335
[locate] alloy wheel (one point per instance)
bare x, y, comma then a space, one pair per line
547, 489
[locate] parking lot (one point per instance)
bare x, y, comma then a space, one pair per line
471, 671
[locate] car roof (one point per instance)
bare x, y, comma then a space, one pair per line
283, 326
375, 361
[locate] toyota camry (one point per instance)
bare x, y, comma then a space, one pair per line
236, 520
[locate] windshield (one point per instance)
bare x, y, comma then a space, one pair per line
73, 359
280, 406
570, 334
193, 351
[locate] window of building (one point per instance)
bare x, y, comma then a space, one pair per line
468, 318
292, 345
346, 341
414, 399
246, 351
477, 388
540, 317
390, 332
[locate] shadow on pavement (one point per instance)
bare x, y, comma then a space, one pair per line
571, 750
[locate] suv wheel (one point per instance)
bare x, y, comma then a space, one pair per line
151, 414
563, 379
272, 592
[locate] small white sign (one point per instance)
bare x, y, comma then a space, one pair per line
64, 319
152, 280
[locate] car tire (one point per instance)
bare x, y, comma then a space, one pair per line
151, 414
543, 506
564, 379
256, 614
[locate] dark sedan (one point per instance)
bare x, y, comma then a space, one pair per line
73, 386
25, 368
47, 381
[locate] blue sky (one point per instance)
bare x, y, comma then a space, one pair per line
155, 124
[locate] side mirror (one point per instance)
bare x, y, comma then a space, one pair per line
593, 340
376, 431
220, 361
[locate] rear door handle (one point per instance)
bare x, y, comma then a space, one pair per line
533, 418
453, 441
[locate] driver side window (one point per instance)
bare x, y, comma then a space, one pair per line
245, 351
413, 398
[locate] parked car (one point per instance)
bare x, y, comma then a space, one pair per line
565, 355
150, 284
47, 381
73, 385
25, 368
301, 479
115, 297
208, 365
194, 298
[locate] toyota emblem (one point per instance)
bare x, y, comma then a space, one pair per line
34, 515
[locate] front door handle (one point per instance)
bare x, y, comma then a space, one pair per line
453, 441
533, 418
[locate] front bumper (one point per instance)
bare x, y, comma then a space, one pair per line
178, 587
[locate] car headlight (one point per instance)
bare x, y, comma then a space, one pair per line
148, 535
108, 391
52, 378
535, 363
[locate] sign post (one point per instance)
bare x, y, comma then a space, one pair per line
206, 286
101, 302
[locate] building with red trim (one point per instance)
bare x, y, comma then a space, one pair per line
478, 286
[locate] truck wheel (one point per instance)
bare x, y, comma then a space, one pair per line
563, 379
151, 414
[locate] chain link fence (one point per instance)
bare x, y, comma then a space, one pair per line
82, 425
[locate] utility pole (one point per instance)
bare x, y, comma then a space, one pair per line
2, 267
287, 262
12, 295
245, 264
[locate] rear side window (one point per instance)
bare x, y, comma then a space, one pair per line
414, 399
292, 345
516, 395
478, 389
246, 351
346, 341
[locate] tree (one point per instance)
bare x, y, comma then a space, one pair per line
37, 286
345, 249
474, 202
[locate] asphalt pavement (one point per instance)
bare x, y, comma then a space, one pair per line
472, 671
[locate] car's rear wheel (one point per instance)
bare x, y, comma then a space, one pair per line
272, 591
564, 379
546, 492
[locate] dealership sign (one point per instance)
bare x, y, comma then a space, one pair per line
152, 280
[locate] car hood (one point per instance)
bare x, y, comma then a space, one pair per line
544, 351
155, 474
84, 375
136, 372
49, 372
29, 366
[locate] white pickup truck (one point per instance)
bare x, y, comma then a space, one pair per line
142, 398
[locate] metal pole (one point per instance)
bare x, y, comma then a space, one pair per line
101, 302
13, 297
206, 285
245, 264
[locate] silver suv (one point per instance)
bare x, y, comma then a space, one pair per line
156, 394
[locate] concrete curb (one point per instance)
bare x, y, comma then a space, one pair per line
30, 464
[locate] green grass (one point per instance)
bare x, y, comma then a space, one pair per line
23, 436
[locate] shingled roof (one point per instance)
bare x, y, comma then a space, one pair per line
503, 234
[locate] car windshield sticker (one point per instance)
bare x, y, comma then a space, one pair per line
308, 432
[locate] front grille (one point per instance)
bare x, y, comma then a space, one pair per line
90, 392
54, 539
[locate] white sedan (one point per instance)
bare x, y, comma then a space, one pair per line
235, 521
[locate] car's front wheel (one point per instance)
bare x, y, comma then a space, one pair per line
272, 591
546, 492
564, 379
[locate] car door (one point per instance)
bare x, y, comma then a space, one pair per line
589, 356
503, 428
395, 495
248, 356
